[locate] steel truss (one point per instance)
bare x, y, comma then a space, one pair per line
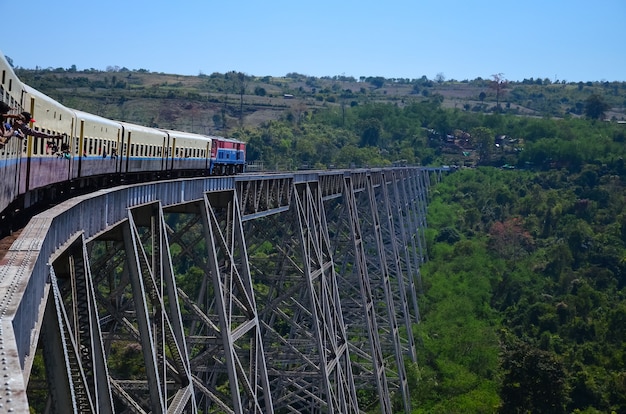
278, 293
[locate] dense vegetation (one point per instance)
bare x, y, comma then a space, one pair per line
524, 303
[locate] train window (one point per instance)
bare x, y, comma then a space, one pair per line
132, 150
4, 75
10, 84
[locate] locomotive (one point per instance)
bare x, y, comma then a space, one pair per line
94, 152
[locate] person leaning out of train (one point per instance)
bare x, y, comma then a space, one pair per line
21, 122
6, 130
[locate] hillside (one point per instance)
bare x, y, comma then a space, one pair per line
220, 103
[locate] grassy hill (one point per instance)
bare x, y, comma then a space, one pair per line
220, 103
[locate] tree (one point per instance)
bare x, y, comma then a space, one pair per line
377, 82
242, 84
484, 139
509, 239
371, 131
499, 84
534, 381
595, 107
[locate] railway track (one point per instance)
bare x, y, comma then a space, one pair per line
7, 241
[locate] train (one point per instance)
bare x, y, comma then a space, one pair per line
94, 152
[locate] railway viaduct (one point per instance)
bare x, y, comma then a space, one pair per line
257, 293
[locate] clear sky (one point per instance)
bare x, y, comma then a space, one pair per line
571, 40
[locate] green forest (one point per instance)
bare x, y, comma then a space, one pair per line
523, 303
524, 300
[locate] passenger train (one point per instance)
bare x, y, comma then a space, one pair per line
94, 152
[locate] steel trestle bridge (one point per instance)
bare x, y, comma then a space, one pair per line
258, 293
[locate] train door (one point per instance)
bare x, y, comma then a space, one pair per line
126, 152
208, 156
172, 150
81, 147
163, 153
115, 152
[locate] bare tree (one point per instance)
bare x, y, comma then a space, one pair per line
499, 84
242, 84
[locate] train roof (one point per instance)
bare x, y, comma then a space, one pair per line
43, 97
190, 135
236, 141
86, 116
140, 128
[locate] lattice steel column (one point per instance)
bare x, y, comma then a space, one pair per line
368, 300
391, 239
239, 326
306, 345
327, 315
157, 312
405, 227
380, 270
71, 338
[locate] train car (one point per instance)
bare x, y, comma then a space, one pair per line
228, 156
188, 151
142, 152
93, 149
11, 153
40, 167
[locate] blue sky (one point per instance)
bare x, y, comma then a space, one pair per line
570, 40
